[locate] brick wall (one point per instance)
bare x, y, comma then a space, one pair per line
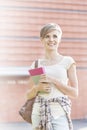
20, 23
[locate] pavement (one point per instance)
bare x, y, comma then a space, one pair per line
80, 124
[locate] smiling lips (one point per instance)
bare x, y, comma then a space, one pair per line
51, 44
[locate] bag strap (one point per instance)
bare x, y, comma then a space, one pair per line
36, 64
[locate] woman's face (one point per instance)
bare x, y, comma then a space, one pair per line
51, 40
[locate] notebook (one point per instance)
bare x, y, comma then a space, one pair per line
36, 72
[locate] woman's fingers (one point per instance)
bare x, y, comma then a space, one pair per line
47, 88
44, 78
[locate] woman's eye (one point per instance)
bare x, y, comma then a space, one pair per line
55, 36
46, 36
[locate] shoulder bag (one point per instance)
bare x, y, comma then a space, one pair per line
26, 110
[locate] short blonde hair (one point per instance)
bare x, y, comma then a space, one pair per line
50, 27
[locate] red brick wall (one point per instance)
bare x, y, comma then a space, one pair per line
20, 23
79, 105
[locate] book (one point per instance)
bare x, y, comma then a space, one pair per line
35, 73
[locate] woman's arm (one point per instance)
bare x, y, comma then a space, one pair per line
40, 87
70, 90
32, 92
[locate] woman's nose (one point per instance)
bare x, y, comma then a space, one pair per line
51, 38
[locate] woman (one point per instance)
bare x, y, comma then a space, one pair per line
51, 110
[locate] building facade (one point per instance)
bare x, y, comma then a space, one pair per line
20, 23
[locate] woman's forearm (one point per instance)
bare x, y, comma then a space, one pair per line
32, 92
71, 91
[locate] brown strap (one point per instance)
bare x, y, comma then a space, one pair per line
36, 64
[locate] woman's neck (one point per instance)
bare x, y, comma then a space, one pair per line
52, 55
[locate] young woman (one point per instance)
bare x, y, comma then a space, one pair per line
51, 110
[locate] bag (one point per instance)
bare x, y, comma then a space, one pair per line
26, 110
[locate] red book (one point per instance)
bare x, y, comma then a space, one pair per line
37, 71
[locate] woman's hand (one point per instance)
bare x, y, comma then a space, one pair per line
44, 84
44, 87
45, 79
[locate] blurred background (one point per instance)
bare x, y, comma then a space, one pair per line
20, 23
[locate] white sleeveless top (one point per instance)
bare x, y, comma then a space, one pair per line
59, 71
